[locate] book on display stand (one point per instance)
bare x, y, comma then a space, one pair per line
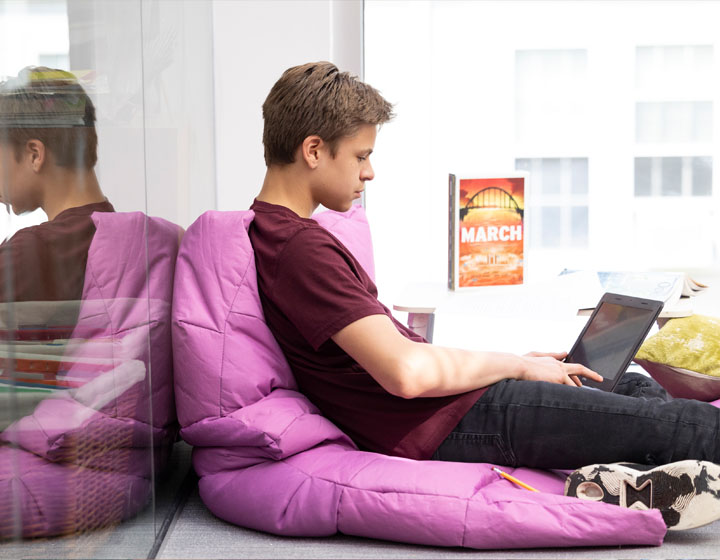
486, 230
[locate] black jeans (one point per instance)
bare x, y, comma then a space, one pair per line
547, 425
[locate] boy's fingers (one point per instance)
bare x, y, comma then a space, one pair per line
556, 355
578, 369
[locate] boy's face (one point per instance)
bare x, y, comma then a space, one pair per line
342, 179
16, 181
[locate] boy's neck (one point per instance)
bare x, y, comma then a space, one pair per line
288, 186
70, 188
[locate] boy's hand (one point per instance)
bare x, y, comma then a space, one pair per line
409, 369
544, 366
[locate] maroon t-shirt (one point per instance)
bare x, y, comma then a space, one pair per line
47, 262
311, 287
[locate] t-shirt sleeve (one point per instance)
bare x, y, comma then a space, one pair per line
319, 286
23, 259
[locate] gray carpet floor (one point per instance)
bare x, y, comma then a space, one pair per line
196, 533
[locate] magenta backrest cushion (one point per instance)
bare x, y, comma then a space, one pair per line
268, 460
353, 230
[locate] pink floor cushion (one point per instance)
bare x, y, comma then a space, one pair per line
84, 457
53, 498
268, 460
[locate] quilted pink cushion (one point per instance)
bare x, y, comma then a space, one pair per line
268, 460
353, 231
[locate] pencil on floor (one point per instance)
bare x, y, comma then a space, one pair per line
515, 480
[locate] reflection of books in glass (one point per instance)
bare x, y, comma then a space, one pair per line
34, 370
668, 287
486, 231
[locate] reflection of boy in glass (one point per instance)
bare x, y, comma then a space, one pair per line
48, 149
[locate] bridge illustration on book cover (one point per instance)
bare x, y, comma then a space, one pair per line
490, 233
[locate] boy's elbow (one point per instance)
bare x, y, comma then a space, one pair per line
408, 379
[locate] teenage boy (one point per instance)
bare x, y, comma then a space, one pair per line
48, 149
383, 385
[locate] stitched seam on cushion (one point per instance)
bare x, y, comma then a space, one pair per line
281, 434
240, 284
361, 470
114, 336
151, 323
203, 327
350, 486
338, 508
16, 441
34, 498
276, 440
100, 290
206, 328
465, 520
292, 497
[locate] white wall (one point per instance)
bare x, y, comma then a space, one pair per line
179, 84
254, 42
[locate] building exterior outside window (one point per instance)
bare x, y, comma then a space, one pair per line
611, 107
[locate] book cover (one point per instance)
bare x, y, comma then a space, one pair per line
487, 219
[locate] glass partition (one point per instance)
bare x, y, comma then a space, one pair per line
106, 154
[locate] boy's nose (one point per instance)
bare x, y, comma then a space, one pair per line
368, 173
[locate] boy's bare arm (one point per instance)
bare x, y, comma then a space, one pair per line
411, 369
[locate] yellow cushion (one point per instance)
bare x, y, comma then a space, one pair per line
691, 343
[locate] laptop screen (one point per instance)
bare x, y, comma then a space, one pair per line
610, 337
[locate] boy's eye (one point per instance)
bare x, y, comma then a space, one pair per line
362, 158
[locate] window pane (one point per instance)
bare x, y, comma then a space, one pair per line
551, 226
579, 175
551, 176
55, 60
703, 121
671, 176
643, 169
674, 59
646, 61
648, 122
579, 226
674, 121
523, 164
661, 67
702, 176
677, 122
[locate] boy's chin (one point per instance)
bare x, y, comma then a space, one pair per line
340, 207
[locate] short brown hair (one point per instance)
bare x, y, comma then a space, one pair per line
317, 99
51, 106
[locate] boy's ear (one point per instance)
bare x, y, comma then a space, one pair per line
310, 150
36, 154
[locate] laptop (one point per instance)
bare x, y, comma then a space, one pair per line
612, 336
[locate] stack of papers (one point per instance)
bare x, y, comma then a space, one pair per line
668, 287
